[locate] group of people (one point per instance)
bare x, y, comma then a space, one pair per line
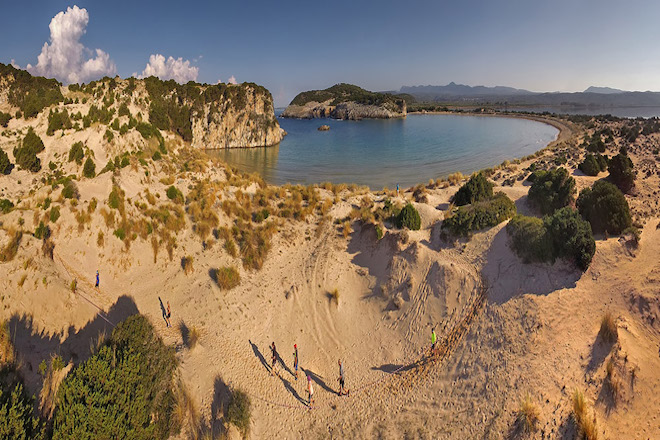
310, 389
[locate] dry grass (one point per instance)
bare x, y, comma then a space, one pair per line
193, 337
11, 249
586, 425
333, 295
612, 380
22, 280
347, 229
528, 415
226, 277
455, 178
100, 239
109, 217
187, 264
186, 414
608, 329
6, 347
253, 242
230, 247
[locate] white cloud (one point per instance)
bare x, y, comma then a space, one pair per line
177, 69
232, 80
65, 58
13, 63
219, 81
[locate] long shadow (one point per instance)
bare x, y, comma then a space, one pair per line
162, 309
259, 356
185, 333
599, 351
318, 379
219, 405
284, 365
292, 390
33, 346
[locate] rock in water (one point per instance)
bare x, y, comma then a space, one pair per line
324, 128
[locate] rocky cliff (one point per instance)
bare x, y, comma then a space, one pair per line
345, 101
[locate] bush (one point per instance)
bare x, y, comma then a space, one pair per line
608, 328
89, 170
125, 390
5, 165
409, 218
42, 231
529, 239
4, 119
76, 153
239, 411
476, 189
551, 190
174, 194
227, 277
593, 164
54, 214
109, 135
605, 207
26, 153
16, 420
70, 190
571, 236
156, 155
6, 206
57, 120
621, 171
480, 215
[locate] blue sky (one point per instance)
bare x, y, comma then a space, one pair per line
291, 46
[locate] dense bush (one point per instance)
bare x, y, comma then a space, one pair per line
16, 419
238, 411
174, 194
58, 120
593, 164
571, 236
5, 164
76, 153
89, 170
30, 93
227, 277
123, 110
4, 119
551, 190
125, 390
605, 207
54, 214
621, 171
476, 189
409, 218
6, 206
70, 190
480, 215
26, 153
529, 239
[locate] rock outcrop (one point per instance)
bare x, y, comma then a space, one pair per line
345, 101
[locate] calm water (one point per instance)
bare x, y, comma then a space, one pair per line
381, 153
621, 112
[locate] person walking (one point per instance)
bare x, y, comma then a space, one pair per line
342, 379
97, 279
397, 190
310, 391
295, 359
169, 313
434, 339
274, 358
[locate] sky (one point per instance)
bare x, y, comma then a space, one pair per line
292, 46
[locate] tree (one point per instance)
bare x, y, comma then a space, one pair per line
551, 190
4, 119
480, 215
593, 164
476, 189
529, 239
5, 165
605, 207
409, 218
89, 170
621, 171
26, 153
76, 153
16, 420
571, 236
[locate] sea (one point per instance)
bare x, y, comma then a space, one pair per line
384, 153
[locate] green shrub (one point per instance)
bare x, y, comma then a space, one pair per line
70, 190
120, 233
260, 216
529, 239
239, 411
571, 236
6, 206
26, 153
605, 207
4, 119
409, 218
593, 164
124, 390
57, 120
621, 171
116, 198
474, 190
480, 215
174, 194
156, 155
551, 190
30, 93
227, 277
76, 152
89, 170
42, 231
109, 135
16, 408
5, 165
123, 110
54, 214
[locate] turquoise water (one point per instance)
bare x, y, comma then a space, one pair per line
381, 153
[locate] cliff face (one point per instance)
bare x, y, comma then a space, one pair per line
345, 101
223, 123
345, 110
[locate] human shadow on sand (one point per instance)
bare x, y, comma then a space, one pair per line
259, 356
507, 276
318, 379
33, 346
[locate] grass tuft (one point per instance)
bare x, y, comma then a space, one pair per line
528, 415
608, 329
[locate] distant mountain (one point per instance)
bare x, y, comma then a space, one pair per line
453, 89
603, 90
